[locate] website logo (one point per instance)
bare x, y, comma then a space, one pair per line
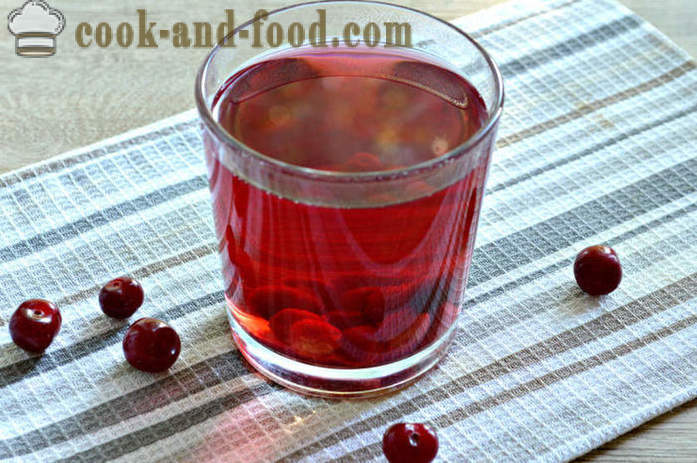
35, 26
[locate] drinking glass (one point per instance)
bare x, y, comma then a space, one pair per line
347, 284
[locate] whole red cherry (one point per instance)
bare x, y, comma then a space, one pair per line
121, 297
597, 270
151, 345
410, 443
34, 324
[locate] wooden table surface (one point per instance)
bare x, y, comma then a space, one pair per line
81, 96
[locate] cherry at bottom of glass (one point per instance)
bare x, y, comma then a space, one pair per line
328, 382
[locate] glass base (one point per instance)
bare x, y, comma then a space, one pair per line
338, 382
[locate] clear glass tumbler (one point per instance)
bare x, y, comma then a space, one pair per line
345, 283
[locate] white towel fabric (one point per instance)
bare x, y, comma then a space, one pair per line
598, 144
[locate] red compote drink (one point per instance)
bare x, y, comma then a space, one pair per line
361, 274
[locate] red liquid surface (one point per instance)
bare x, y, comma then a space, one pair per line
347, 286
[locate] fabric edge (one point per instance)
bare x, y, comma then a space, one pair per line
168, 122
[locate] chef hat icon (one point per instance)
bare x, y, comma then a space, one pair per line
35, 26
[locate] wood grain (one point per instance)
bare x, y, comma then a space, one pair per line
81, 96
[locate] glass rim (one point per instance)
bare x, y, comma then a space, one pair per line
460, 150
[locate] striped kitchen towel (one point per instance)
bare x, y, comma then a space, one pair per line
598, 144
